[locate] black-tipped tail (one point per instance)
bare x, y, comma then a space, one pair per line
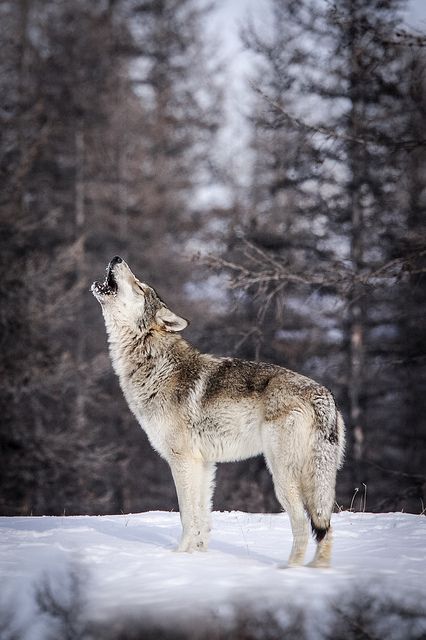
319, 532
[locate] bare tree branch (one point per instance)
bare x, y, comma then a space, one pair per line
270, 275
407, 144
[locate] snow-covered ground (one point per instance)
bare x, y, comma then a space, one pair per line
79, 577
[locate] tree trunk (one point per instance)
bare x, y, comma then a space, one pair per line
80, 218
357, 162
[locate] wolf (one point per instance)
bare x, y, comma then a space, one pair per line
198, 410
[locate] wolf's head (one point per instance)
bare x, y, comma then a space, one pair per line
128, 302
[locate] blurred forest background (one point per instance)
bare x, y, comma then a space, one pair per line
307, 248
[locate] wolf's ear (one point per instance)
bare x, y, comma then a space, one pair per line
169, 320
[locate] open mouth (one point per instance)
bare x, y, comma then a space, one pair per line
109, 285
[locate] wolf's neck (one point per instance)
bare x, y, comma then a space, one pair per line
139, 355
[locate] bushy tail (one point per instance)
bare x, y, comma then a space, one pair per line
326, 457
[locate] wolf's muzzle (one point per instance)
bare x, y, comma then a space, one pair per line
114, 261
109, 285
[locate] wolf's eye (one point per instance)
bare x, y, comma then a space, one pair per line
139, 287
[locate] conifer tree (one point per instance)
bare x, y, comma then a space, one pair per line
330, 147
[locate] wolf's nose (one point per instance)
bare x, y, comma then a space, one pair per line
115, 260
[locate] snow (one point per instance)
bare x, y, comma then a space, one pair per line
126, 570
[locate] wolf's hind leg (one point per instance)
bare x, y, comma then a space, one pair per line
323, 552
284, 445
290, 498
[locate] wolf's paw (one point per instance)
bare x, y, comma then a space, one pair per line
290, 565
295, 560
183, 549
319, 564
185, 546
190, 545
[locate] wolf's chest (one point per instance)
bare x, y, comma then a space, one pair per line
151, 411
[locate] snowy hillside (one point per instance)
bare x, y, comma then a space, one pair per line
117, 577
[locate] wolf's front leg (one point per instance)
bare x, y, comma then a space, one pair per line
187, 475
206, 488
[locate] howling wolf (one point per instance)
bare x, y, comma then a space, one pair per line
198, 409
